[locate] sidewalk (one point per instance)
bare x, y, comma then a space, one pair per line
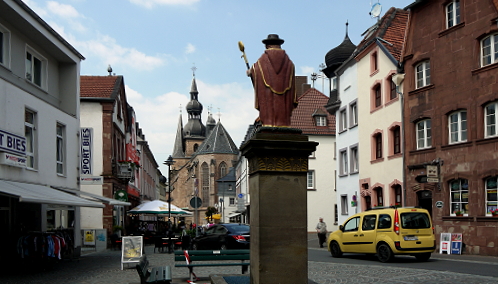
105, 268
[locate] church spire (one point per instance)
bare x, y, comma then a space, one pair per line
179, 147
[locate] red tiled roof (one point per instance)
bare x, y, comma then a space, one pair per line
391, 28
311, 102
97, 86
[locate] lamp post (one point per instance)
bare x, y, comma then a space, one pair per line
169, 162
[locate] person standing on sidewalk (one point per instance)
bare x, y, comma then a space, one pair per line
321, 229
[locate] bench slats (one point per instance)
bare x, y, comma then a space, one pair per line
160, 274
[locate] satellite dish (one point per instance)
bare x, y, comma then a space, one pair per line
376, 10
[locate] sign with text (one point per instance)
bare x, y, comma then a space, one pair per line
12, 160
131, 249
86, 136
98, 180
12, 143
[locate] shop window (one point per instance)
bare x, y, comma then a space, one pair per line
459, 196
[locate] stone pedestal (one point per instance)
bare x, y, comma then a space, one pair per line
278, 166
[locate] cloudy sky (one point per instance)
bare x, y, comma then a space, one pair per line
155, 44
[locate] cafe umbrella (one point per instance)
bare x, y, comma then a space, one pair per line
158, 207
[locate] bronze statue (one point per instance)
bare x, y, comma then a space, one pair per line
274, 86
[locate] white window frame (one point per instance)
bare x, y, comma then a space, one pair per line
5, 47
457, 125
489, 50
463, 188
30, 66
491, 188
343, 120
354, 159
321, 120
490, 120
423, 74
310, 179
231, 201
31, 135
60, 148
343, 162
453, 14
333, 84
424, 134
353, 114
344, 204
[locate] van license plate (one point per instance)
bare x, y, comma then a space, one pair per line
410, 238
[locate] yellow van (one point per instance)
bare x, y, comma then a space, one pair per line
385, 231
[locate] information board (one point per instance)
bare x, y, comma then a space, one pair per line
131, 249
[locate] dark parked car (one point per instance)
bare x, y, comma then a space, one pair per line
223, 236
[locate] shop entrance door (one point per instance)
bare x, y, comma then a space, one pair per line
425, 200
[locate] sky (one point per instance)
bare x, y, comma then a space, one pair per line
157, 44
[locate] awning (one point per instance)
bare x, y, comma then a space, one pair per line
35, 193
231, 215
95, 197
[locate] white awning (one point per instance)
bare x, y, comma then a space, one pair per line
35, 193
95, 197
235, 214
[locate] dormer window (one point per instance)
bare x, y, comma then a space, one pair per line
321, 120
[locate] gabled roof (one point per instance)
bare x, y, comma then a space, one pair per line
218, 142
100, 86
310, 104
391, 30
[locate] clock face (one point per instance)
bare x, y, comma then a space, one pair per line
376, 9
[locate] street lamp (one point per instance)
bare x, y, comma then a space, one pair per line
169, 162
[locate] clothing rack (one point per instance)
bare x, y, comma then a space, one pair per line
45, 245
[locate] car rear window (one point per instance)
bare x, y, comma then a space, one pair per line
415, 220
239, 229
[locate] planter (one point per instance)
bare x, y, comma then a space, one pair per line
495, 215
459, 215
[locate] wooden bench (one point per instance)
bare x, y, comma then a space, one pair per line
211, 258
161, 274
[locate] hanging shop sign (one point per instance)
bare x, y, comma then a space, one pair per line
86, 135
13, 143
121, 195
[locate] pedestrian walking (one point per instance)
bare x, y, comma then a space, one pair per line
321, 229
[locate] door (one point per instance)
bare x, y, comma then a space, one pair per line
425, 200
350, 236
368, 234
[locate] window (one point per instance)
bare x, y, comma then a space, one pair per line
205, 184
423, 74
384, 221
343, 120
393, 93
354, 159
397, 195
336, 217
30, 134
4, 46
380, 197
396, 135
453, 14
491, 194
344, 204
490, 120
459, 195
353, 113
378, 145
489, 49
377, 96
368, 222
223, 169
458, 126
60, 132
374, 66
368, 202
343, 159
424, 135
310, 179
35, 68
232, 201
333, 83
321, 120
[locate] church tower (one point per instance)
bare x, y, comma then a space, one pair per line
194, 131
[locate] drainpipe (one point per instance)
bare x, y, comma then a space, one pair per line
397, 80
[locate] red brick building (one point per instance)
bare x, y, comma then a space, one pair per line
451, 97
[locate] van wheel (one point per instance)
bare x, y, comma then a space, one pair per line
423, 256
384, 253
335, 249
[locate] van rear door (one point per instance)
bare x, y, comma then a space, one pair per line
416, 230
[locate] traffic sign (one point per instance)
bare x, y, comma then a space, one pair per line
195, 202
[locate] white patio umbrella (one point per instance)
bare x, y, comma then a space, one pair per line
158, 207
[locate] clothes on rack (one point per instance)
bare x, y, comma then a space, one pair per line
42, 245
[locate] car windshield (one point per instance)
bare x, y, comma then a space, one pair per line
239, 229
415, 220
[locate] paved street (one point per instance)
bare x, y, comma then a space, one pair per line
104, 267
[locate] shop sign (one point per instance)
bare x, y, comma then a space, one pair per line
12, 160
121, 195
86, 135
13, 143
89, 237
439, 204
92, 180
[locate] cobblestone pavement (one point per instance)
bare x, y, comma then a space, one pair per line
105, 267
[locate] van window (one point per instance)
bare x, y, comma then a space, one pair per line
384, 221
368, 222
415, 220
352, 225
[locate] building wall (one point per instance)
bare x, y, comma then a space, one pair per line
322, 198
377, 120
457, 83
347, 185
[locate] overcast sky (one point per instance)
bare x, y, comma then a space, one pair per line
155, 44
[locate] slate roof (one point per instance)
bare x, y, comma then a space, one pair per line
391, 28
100, 86
218, 142
179, 147
310, 103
